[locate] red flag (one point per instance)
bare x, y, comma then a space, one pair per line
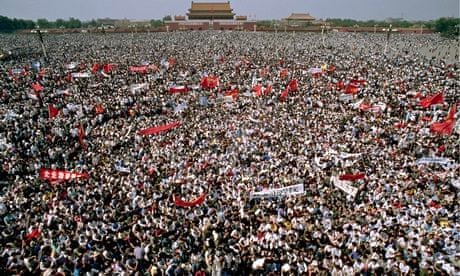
81, 136
293, 85
358, 82
340, 85
283, 73
432, 100
109, 67
99, 109
234, 93
209, 82
446, 127
257, 90
96, 68
172, 61
37, 87
52, 111
195, 202
352, 89
284, 95
268, 90
33, 235
352, 177
159, 129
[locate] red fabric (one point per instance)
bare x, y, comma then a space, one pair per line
446, 127
365, 106
37, 87
284, 95
283, 73
59, 175
178, 89
400, 125
234, 93
209, 82
357, 82
109, 67
268, 90
33, 235
331, 68
139, 69
352, 177
293, 85
257, 90
96, 68
434, 204
99, 109
340, 85
171, 61
52, 111
81, 136
441, 149
352, 89
158, 129
432, 100
195, 202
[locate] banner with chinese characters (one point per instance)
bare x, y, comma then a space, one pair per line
59, 175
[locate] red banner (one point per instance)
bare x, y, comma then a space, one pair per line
138, 69
257, 90
158, 129
195, 202
81, 136
352, 177
59, 175
432, 100
284, 94
178, 89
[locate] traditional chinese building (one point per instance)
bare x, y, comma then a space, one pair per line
210, 16
210, 11
300, 18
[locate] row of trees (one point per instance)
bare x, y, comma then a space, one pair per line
448, 27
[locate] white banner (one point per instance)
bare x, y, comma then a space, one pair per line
279, 192
344, 186
137, 86
456, 183
81, 75
444, 162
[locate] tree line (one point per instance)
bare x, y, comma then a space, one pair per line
448, 27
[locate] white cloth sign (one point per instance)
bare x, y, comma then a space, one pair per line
279, 192
344, 186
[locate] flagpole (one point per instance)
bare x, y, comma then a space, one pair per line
388, 39
40, 37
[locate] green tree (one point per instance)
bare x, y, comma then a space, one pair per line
156, 23
448, 27
167, 18
44, 23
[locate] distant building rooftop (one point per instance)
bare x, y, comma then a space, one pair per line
300, 17
210, 11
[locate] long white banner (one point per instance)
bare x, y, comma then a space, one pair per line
444, 162
279, 192
344, 186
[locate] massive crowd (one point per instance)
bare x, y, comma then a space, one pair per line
123, 218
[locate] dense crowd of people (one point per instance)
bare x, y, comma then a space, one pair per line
124, 218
